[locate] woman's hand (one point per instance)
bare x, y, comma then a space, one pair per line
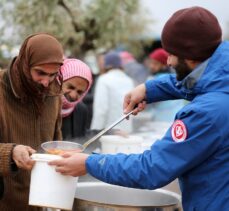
21, 156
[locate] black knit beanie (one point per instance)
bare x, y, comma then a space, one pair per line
192, 33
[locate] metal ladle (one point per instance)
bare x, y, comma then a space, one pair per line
49, 146
94, 138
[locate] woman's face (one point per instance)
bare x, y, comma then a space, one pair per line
74, 88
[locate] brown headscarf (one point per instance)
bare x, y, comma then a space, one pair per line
37, 49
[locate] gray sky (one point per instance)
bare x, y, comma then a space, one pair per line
161, 10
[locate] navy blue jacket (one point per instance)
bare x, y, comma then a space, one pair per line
195, 148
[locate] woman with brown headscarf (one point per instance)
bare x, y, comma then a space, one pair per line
29, 114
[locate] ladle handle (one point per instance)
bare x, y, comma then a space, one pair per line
105, 130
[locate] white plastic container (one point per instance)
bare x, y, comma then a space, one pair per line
49, 188
112, 144
149, 138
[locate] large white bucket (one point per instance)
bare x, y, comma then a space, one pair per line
49, 188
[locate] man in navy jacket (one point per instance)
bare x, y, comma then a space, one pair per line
195, 148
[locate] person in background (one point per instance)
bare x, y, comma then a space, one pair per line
30, 107
109, 93
98, 67
100, 62
77, 80
133, 69
158, 62
196, 146
162, 111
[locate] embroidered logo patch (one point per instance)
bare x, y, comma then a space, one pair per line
179, 131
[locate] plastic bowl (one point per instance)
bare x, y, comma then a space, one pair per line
61, 147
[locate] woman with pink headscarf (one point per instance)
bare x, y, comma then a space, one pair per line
77, 80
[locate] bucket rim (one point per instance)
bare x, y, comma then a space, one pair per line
44, 157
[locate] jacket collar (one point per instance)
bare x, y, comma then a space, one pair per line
190, 80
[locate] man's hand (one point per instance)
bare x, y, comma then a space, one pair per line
71, 164
135, 98
21, 156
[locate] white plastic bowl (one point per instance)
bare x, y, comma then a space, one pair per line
59, 147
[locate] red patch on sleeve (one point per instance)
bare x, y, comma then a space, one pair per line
179, 131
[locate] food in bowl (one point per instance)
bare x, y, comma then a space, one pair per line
62, 151
61, 147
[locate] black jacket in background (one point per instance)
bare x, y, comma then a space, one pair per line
75, 125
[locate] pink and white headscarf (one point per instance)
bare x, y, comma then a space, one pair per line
74, 68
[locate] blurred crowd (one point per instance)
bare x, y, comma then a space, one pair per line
119, 72
106, 82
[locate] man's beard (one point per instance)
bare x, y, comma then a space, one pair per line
182, 69
41, 90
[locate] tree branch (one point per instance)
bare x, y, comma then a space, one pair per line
74, 23
91, 33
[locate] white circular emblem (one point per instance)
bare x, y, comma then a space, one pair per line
179, 131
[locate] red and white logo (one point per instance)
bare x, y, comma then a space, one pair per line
179, 131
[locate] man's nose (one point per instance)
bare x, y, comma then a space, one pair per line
45, 82
169, 61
